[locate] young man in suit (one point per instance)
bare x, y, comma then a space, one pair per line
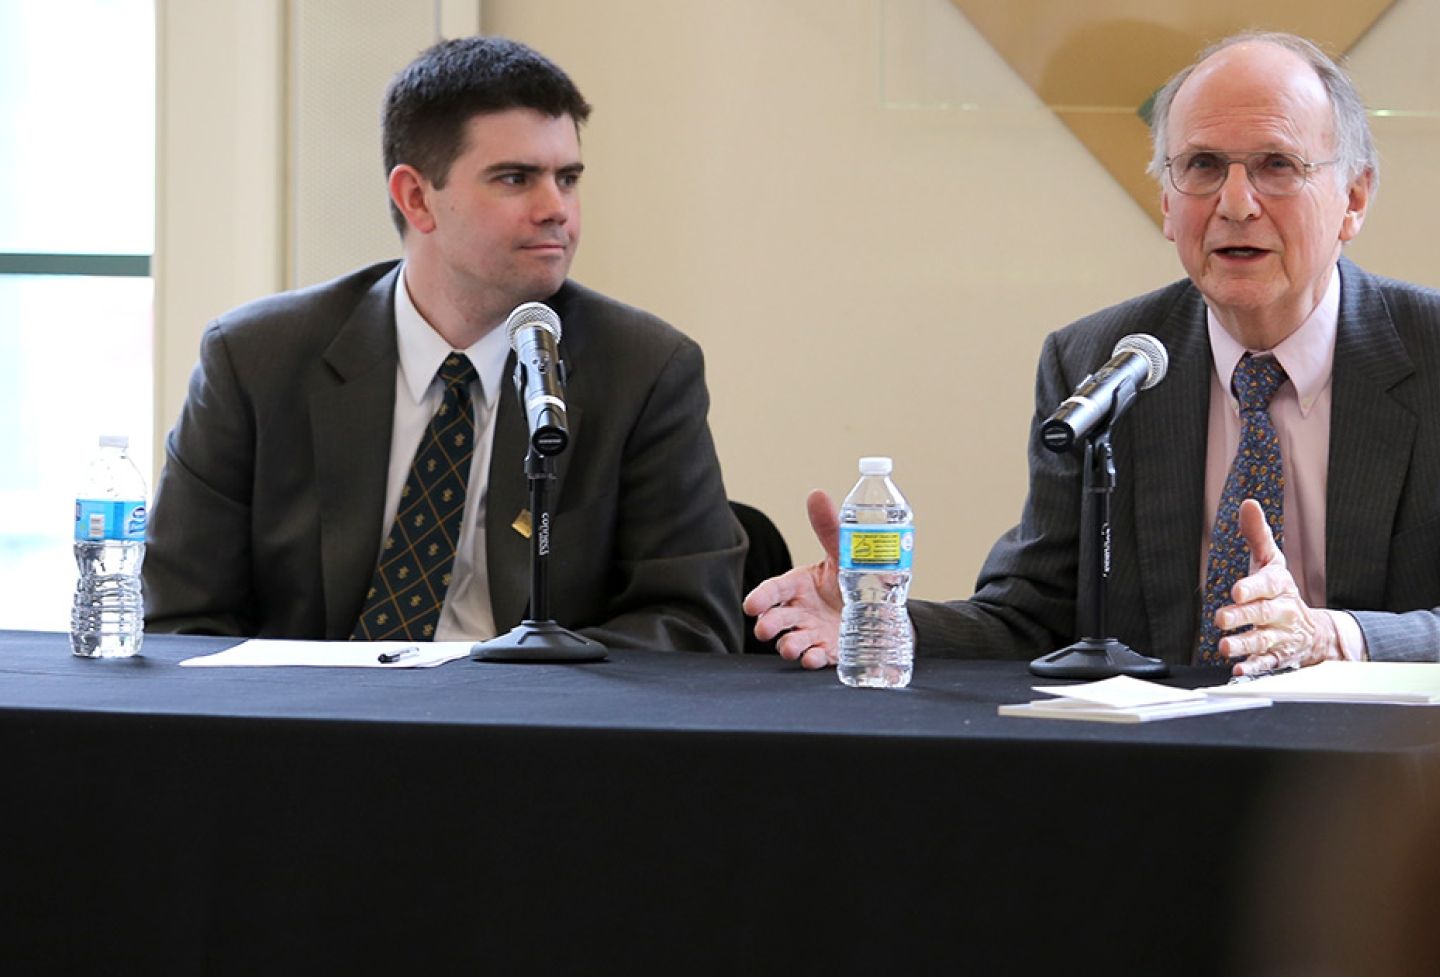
287, 488
1266, 166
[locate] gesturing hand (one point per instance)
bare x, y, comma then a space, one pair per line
803, 605
1286, 632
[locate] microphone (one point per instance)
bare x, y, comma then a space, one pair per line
1138, 362
535, 337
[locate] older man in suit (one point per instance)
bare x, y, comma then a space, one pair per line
289, 488
1267, 168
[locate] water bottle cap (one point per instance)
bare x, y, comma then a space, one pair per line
876, 466
121, 441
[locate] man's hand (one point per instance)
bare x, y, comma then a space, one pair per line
803, 606
1287, 632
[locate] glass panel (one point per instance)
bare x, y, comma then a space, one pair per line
77, 364
1094, 67
77, 126
1109, 57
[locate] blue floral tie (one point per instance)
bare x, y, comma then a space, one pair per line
1255, 474
413, 574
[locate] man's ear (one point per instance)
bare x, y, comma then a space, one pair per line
1165, 212
1356, 205
411, 193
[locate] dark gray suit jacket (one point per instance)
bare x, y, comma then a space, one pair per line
1382, 533
267, 516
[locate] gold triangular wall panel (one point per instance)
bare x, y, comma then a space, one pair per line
1096, 62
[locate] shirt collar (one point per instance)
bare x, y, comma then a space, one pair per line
422, 350
1307, 354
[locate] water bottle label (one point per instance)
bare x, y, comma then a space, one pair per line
109, 519
876, 547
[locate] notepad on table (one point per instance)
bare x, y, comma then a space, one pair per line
1401, 683
1123, 699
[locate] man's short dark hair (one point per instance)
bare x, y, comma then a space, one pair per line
429, 104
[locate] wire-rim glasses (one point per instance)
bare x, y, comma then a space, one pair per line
1274, 174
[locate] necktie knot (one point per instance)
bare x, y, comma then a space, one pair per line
1255, 381
457, 369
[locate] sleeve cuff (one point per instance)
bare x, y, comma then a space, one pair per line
1349, 636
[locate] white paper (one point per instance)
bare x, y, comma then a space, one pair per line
1121, 692
1123, 699
266, 652
1404, 683
1076, 709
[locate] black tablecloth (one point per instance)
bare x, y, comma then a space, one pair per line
658, 812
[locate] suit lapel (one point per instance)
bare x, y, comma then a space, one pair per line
1170, 442
351, 422
1372, 435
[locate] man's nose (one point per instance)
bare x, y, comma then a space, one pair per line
550, 202
1238, 199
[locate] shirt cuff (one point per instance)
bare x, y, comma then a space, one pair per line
1349, 636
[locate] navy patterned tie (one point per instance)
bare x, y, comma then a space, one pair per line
1255, 474
404, 599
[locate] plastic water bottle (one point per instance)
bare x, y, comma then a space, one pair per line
877, 540
108, 617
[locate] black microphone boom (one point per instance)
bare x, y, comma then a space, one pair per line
1137, 363
535, 336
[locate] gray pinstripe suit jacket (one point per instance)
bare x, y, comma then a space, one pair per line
1382, 534
267, 517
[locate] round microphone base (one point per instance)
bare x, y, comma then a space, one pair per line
538, 641
1094, 658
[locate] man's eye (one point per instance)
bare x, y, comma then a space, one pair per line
1280, 163
1201, 162
513, 179
569, 179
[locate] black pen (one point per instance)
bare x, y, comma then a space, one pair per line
1241, 679
391, 657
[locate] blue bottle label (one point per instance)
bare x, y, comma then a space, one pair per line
110, 519
876, 547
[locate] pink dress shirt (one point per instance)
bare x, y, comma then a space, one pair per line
1301, 415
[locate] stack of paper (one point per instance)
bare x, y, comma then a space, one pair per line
1406, 683
1123, 699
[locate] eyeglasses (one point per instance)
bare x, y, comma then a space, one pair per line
1273, 174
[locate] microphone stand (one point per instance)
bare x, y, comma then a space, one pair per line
538, 638
1098, 657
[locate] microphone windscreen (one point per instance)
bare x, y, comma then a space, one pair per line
532, 313
1147, 346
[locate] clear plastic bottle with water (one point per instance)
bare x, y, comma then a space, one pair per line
877, 541
108, 616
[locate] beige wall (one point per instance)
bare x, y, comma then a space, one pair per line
869, 264
219, 167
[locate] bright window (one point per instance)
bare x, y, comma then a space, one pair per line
77, 204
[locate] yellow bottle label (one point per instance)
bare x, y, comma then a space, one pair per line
876, 548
